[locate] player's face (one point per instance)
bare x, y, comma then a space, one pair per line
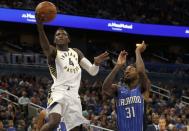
130, 73
61, 37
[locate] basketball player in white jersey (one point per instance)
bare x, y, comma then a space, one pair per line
64, 65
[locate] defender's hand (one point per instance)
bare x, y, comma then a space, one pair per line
102, 57
122, 58
141, 47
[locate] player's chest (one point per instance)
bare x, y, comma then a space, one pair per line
128, 93
67, 58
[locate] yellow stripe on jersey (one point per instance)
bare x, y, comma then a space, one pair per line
52, 70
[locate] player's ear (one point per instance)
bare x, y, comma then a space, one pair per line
68, 36
69, 39
54, 42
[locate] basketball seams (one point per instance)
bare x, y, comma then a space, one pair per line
46, 7
46, 11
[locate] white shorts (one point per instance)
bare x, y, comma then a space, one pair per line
69, 107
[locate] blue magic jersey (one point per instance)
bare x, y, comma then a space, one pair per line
61, 127
129, 109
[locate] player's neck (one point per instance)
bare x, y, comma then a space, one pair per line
133, 83
62, 47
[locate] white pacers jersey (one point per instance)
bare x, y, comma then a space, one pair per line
66, 71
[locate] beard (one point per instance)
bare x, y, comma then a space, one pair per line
128, 80
63, 47
60, 42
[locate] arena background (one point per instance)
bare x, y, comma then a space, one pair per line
25, 79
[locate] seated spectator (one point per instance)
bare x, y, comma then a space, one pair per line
179, 125
2, 126
11, 126
154, 125
24, 100
162, 124
21, 126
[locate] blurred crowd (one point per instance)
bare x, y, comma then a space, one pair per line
174, 112
167, 59
28, 89
14, 112
174, 12
99, 111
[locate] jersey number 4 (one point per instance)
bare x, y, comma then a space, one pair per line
71, 62
130, 112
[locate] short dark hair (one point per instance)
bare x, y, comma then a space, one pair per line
61, 28
133, 65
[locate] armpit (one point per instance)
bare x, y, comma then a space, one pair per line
80, 54
111, 92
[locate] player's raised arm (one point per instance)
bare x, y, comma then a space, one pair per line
145, 82
92, 69
108, 87
44, 42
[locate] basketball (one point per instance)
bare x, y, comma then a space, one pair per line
46, 11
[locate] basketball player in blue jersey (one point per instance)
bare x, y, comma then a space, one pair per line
65, 68
130, 96
42, 119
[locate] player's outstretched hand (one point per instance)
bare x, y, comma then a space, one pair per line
38, 21
141, 47
102, 57
121, 60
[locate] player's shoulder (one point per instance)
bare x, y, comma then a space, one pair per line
115, 86
53, 53
53, 49
75, 49
121, 86
79, 52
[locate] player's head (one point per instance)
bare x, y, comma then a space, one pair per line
61, 37
130, 73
